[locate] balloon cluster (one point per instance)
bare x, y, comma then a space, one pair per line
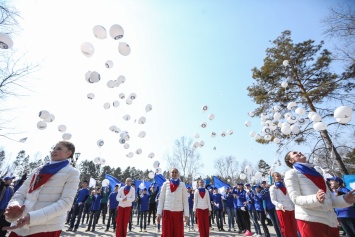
157, 170
213, 134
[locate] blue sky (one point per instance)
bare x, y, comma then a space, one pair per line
185, 54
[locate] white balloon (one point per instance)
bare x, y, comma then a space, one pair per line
87, 49
343, 112
156, 164
159, 170
148, 108
151, 155
130, 155
301, 121
229, 132
99, 32
43, 114
295, 129
257, 137
41, 125
213, 134
111, 84
151, 175
62, 128
211, 116
108, 64
242, 176
223, 134
251, 114
124, 49
116, 32
202, 143
122, 141
105, 182
139, 151
126, 146
319, 126
97, 160
285, 124
66, 136
91, 96
291, 105
267, 137
196, 145
310, 114
107, 105
252, 133
258, 175
100, 142
277, 140
121, 79
247, 123
248, 170
285, 63
204, 108
114, 128
129, 101
197, 136
284, 84
316, 118
277, 116
343, 120
277, 108
142, 134
266, 130
102, 161
289, 78
116, 103
126, 117
49, 119
94, 77
121, 96
142, 120
286, 130
203, 125
132, 96
300, 111
291, 119
5, 41
287, 115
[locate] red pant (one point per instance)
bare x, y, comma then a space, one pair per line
123, 215
43, 234
312, 229
203, 222
288, 224
173, 224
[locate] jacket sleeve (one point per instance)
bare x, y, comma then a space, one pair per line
161, 199
208, 201
132, 195
195, 200
293, 188
185, 201
60, 207
273, 196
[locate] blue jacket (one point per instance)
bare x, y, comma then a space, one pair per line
83, 195
113, 200
229, 200
95, 206
250, 200
9, 191
144, 202
266, 197
258, 202
241, 197
191, 200
347, 212
217, 199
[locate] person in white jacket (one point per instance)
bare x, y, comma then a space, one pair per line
313, 202
125, 197
285, 209
40, 205
202, 209
173, 206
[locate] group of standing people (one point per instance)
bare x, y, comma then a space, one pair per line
300, 205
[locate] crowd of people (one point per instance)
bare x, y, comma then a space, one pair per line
300, 204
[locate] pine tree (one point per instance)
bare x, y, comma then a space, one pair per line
264, 167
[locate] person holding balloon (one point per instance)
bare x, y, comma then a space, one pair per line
125, 197
40, 206
314, 203
173, 206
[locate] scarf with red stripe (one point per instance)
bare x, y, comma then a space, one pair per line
281, 186
312, 174
45, 173
174, 184
202, 192
126, 189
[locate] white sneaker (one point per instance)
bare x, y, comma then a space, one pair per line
258, 236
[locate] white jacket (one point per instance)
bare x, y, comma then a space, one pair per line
202, 203
131, 196
173, 201
279, 199
303, 191
47, 205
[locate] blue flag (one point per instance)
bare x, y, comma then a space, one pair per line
349, 181
159, 179
141, 185
219, 183
113, 181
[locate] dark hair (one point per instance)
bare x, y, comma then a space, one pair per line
85, 181
287, 160
70, 146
